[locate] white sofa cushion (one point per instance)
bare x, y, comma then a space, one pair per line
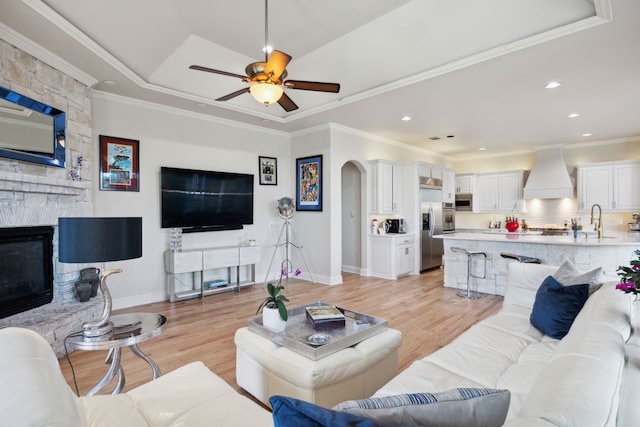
33, 391
580, 383
190, 396
523, 281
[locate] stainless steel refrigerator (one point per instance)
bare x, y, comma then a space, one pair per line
431, 206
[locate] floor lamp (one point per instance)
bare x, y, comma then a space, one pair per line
286, 210
91, 239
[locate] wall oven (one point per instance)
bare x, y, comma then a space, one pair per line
464, 202
448, 217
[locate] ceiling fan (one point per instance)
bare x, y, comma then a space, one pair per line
267, 79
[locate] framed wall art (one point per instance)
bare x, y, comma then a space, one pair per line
119, 164
268, 167
309, 183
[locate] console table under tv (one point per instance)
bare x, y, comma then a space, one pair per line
219, 263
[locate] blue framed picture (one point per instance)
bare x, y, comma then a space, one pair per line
309, 184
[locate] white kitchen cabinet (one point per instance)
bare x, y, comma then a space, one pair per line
595, 185
385, 180
465, 183
405, 250
499, 192
448, 186
626, 194
392, 255
612, 185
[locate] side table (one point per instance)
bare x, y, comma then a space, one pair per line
129, 330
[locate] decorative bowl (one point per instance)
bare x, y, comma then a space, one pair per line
634, 226
512, 226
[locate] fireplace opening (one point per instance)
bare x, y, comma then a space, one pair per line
26, 268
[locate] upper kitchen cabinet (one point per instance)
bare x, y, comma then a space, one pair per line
429, 170
612, 185
499, 192
385, 186
465, 183
445, 175
448, 186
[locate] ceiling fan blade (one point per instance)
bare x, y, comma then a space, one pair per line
276, 64
287, 103
315, 86
233, 95
211, 70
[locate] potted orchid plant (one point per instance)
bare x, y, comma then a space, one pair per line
274, 310
630, 277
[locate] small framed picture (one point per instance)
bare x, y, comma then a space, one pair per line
268, 170
309, 183
119, 164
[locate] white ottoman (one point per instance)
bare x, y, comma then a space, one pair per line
264, 368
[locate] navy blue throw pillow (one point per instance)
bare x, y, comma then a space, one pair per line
290, 412
556, 306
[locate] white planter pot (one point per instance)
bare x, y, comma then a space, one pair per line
271, 319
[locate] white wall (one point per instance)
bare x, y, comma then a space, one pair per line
170, 137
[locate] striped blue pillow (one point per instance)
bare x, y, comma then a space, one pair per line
480, 407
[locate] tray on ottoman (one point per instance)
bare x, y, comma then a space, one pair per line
301, 337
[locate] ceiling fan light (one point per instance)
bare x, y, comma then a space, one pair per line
266, 93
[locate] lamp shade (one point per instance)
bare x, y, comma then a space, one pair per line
91, 239
286, 207
266, 93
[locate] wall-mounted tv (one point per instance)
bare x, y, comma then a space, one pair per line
197, 200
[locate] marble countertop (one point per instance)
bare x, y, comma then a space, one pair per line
614, 238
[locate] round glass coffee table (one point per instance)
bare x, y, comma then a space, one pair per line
130, 329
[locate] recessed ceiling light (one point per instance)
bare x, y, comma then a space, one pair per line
109, 82
406, 118
451, 136
587, 134
434, 138
552, 85
573, 115
482, 148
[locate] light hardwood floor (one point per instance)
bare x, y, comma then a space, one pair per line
428, 314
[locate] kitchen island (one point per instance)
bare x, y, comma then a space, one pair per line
613, 250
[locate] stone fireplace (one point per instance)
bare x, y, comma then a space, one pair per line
26, 271
37, 195
65, 314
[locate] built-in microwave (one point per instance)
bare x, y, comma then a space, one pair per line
464, 202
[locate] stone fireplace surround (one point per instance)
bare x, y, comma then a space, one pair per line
57, 198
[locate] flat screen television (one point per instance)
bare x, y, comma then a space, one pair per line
197, 200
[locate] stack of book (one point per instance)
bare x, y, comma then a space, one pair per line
324, 316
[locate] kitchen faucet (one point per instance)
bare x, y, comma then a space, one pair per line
599, 219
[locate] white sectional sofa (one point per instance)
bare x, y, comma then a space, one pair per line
33, 393
575, 381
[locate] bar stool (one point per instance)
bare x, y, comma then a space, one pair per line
469, 293
521, 258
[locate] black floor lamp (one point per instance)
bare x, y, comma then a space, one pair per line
91, 239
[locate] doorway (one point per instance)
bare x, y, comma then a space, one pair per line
353, 201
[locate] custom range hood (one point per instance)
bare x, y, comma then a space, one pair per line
549, 178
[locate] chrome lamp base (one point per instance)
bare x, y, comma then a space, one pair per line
103, 326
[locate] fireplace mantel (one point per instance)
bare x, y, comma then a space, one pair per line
11, 181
